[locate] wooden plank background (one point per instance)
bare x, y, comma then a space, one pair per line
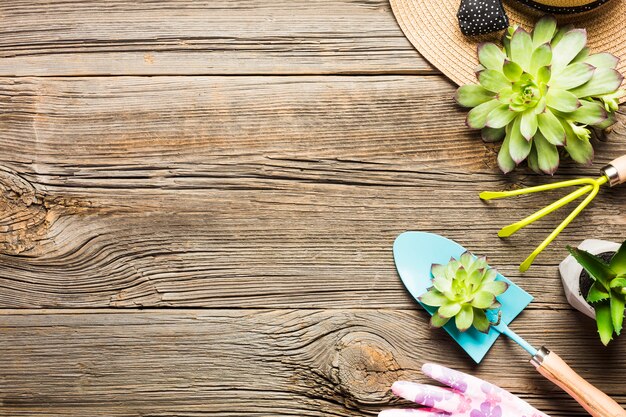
198, 202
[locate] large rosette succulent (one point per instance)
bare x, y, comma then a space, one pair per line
541, 92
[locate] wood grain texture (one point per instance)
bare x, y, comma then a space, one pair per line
222, 168
262, 363
203, 37
266, 192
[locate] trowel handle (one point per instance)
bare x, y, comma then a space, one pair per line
615, 171
597, 403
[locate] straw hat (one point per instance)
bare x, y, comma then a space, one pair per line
433, 27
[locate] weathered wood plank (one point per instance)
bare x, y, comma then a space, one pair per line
254, 362
264, 192
189, 37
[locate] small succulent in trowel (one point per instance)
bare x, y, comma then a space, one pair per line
608, 292
464, 289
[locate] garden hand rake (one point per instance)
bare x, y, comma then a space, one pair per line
613, 174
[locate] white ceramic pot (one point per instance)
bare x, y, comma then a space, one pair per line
570, 273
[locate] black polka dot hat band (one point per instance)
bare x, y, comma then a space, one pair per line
447, 32
478, 17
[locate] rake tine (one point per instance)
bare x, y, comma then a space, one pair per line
507, 231
492, 195
596, 188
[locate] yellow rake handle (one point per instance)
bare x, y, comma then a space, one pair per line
591, 186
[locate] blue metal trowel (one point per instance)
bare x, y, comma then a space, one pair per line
416, 252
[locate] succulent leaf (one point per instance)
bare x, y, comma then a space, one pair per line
475, 277
464, 318
483, 300
442, 284
596, 267
490, 275
579, 149
603, 81
589, 113
560, 33
500, 117
597, 293
505, 162
582, 55
544, 30
551, 128
492, 135
480, 262
567, 48
481, 322
491, 56
528, 124
609, 121
562, 100
604, 322
533, 160
541, 57
544, 75
618, 282
617, 312
547, 154
602, 60
438, 270
611, 101
581, 132
493, 80
521, 48
437, 321
433, 298
472, 95
573, 76
618, 261
477, 117
519, 147
494, 287
449, 309
512, 71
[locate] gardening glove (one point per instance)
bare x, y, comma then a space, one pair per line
467, 396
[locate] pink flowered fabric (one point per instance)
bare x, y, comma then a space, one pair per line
463, 396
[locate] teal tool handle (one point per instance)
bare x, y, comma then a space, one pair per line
505, 330
553, 368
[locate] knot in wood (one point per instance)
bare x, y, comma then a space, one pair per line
22, 214
365, 368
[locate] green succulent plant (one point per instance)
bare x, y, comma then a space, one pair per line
539, 93
464, 289
608, 292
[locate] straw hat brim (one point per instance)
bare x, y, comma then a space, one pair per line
432, 27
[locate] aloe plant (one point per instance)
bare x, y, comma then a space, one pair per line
539, 93
464, 289
608, 292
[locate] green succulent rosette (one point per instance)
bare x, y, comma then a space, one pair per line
463, 290
541, 92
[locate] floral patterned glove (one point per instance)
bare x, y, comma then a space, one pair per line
467, 396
